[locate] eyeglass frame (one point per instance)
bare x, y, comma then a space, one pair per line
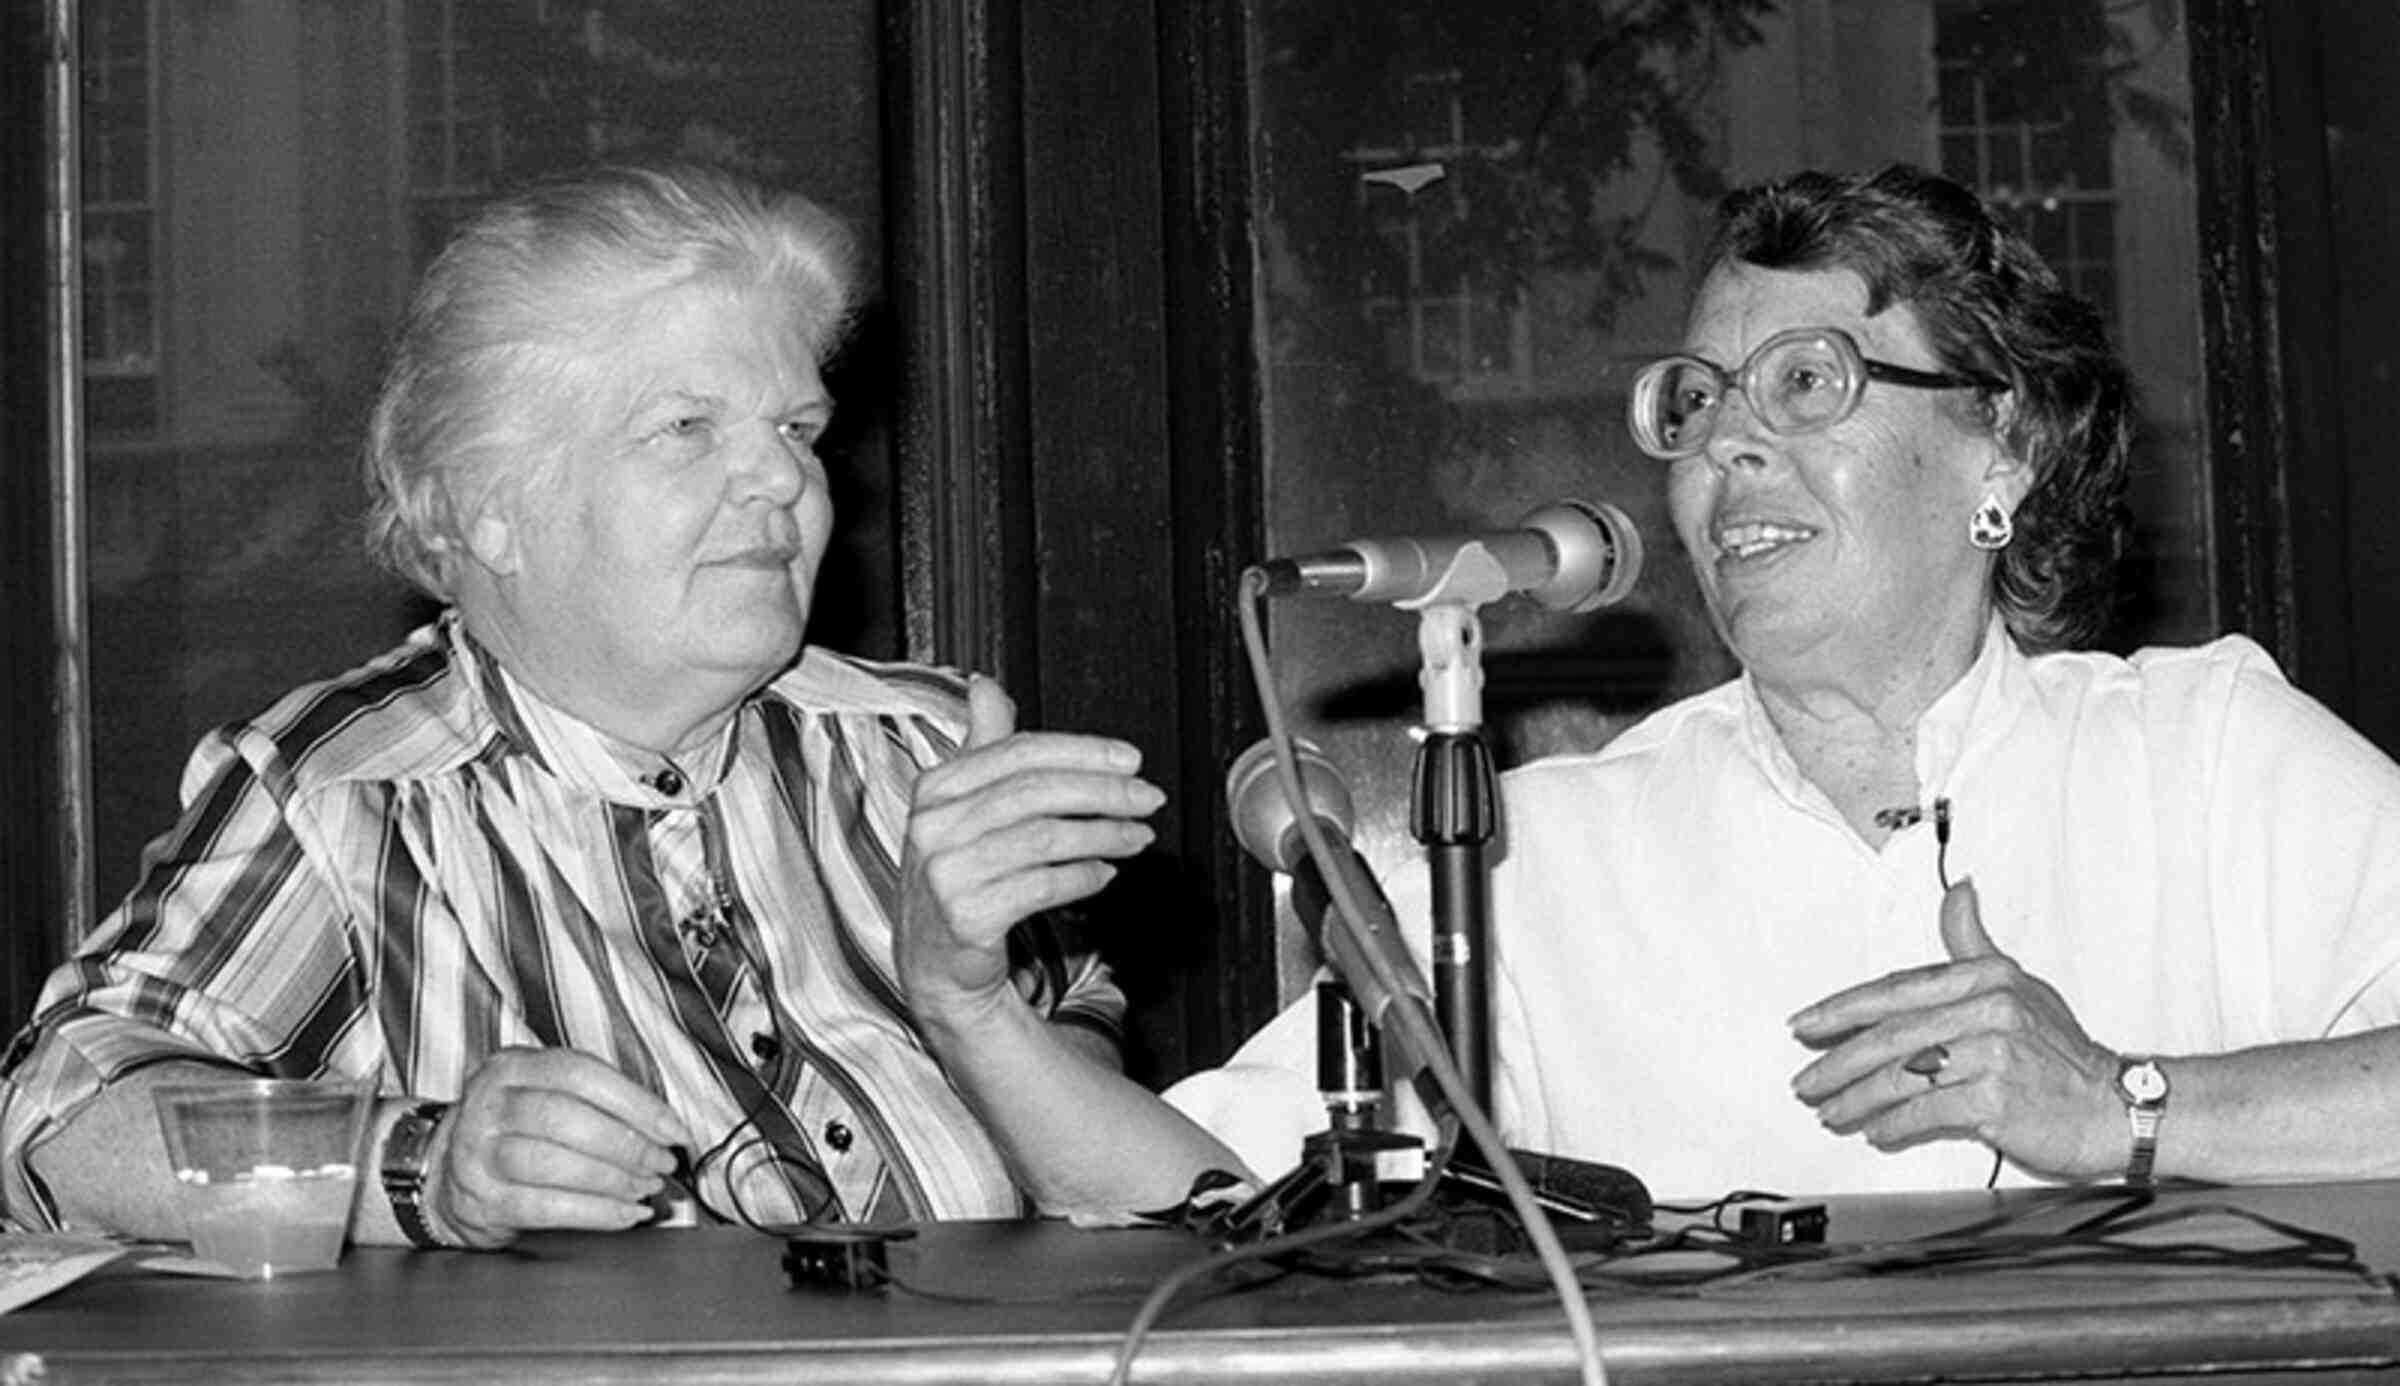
1646, 385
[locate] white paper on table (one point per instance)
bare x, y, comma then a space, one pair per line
33, 1264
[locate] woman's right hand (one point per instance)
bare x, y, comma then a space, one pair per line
1016, 823
548, 1138
1974, 1047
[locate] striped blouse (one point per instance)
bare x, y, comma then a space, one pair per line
401, 870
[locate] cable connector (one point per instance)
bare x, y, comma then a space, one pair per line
840, 1258
1784, 1222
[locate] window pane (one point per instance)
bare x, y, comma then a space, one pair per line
1596, 140
261, 183
2004, 158
1494, 337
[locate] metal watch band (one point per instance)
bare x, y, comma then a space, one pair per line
404, 1153
2145, 1146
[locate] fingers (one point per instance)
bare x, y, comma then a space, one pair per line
1891, 1061
991, 713
1040, 845
1927, 1110
985, 870
1869, 1095
1026, 892
1016, 823
1027, 786
1066, 755
1890, 1040
995, 751
2008, 1068
1022, 821
551, 1138
1845, 1013
1962, 924
1031, 820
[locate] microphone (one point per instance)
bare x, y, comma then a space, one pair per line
1569, 555
1269, 830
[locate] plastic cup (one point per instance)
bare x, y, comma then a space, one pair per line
266, 1168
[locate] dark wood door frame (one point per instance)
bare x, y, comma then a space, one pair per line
45, 877
1078, 468
2275, 455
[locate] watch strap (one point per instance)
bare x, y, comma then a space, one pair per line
2145, 1145
406, 1148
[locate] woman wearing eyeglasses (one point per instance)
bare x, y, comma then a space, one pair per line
1933, 894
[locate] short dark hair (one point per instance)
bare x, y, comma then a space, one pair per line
525, 289
1992, 307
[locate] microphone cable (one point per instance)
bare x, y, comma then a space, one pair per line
1419, 1033
1154, 1305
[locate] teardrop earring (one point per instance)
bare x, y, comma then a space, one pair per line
1990, 528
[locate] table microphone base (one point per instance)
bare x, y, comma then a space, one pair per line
1343, 1176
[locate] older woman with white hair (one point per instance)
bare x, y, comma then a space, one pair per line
603, 877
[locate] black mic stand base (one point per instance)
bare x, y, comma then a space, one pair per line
1340, 1179
1351, 1170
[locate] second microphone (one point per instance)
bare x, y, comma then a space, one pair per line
1570, 555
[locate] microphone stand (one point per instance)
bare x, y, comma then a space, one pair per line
1452, 814
1452, 811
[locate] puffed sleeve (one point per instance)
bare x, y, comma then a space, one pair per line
229, 950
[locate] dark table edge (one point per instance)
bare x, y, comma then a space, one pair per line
2216, 1337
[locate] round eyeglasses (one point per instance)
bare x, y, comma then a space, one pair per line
1800, 380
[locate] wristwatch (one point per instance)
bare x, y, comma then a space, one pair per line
405, 1149
2143, 1085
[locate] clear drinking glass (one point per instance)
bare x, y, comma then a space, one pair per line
267, 1168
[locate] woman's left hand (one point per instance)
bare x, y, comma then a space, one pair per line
1975, 1047
1016, 823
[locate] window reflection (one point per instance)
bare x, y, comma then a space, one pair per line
120, 271
260, 184
453, 153
2023, 92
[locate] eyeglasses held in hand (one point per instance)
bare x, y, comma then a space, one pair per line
1800, 380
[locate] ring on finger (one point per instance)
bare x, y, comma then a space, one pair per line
1928, 1063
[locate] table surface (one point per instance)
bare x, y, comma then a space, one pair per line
1043, 1302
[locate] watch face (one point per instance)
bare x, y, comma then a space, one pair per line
2142, 1081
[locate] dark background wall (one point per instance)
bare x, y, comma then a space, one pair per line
2361, 77
2298, 145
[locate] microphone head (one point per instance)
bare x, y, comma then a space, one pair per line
1264, 821
1599, 555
